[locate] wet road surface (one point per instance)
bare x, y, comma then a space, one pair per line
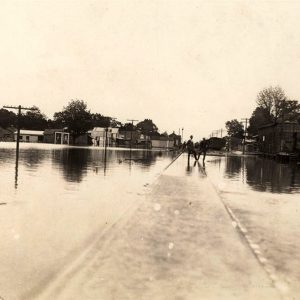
179, 243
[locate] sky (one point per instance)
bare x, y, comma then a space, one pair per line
183, 64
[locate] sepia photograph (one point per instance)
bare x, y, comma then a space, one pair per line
150, 150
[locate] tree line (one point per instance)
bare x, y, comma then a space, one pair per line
272, 107
75, 117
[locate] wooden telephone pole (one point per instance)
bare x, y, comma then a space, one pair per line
131, 120
19, 108
245, 120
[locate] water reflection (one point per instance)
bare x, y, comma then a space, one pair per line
260, 174
73, 162
268, 175
31, 159
233, 166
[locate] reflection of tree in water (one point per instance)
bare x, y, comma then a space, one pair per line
73, 162
32, 157
233, 166
143, 158
269, 175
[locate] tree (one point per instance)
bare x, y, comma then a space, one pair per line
235, 128
276, 105
128, 127
99, 120
260, 117
7, 118
34, 120
76, 117
147, 127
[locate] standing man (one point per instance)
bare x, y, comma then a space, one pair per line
203, 148
191, 148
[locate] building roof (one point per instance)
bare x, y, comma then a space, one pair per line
4, 131
31, 132
278, 123
52, 131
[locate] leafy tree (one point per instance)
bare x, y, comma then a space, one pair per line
235, 128
128, 127
276, 105
99, 120
7, 118
34, 120
76, 117
260, 117
147, 127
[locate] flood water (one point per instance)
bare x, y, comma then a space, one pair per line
255, 173
59, 199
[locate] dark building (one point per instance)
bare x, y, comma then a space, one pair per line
280, 137
176, 139
7, 135
56, 136
127, 137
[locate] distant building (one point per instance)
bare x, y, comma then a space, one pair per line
127, 137
280, 137
30, 136
160, 141
7, 134
144, 141
176, 139
56, 136
98, 135
84, 139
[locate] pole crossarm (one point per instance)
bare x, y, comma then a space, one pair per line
19, 107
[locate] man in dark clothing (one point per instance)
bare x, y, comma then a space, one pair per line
191, 148
203, 148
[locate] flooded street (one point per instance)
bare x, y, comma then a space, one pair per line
265, 197
61, 199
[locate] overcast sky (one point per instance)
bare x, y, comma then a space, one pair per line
191, 64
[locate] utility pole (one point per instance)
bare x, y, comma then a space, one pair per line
182, 133
131, 120
19, 108
245, 120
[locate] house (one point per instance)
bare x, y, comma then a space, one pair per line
127, 138
30, 136
7, 134
84, 139
280, 137
161, 141
56, 136
176, 139
144, 141
99, 134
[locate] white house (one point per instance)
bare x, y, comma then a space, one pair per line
98, 135
30, 136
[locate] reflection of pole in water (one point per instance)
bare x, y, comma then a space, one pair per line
105, 159
16, 170
243, 169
